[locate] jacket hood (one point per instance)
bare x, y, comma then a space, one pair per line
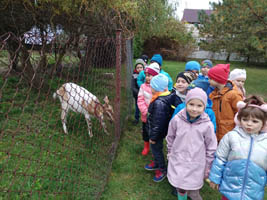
228, 87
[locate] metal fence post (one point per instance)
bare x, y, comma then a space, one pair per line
118, 82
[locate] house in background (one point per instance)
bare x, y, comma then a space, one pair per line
190, 19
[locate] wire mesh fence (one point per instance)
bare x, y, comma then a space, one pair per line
61, 147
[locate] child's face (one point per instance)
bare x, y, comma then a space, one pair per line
148, 77
205, 70
214, 83
240, 82
195, 72
251, 124
181, 85
195, 107
139, 68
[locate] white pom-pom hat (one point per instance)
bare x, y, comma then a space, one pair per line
237, 73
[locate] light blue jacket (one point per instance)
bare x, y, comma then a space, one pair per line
208, 110
141, 78
240, 165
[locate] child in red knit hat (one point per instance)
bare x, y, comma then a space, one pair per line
224, 98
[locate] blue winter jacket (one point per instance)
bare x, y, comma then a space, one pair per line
240, 165
205, 78
208, 110
142, 78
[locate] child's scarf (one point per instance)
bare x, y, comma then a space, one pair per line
135, 71
157, 94
182, 96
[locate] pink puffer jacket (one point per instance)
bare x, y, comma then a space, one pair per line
143, 101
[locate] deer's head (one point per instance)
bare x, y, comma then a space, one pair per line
108, 110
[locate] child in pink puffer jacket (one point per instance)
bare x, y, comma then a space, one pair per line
143, 101
191, 145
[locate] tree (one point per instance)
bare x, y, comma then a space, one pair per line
236, 26
80, 20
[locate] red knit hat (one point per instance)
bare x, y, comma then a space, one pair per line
153, 69
219, 73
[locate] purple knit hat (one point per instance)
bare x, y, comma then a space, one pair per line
196, 93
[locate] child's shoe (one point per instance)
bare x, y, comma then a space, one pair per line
146, 149
151, 166
159, 176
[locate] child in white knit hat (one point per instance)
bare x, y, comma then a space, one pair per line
143, 101
239, 76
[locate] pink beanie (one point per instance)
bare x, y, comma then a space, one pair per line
196, 93
219, 73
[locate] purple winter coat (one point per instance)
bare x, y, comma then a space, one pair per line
191, 148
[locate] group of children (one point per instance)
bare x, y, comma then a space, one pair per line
213, 132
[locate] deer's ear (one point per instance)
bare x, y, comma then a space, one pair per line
106, 100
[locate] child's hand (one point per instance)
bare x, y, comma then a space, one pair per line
214, 186
207, 180
152, 142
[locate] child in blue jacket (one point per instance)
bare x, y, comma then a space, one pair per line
203, 85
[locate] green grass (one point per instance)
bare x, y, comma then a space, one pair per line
39, 161
129, 179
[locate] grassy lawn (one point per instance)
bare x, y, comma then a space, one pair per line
129, 179
39, 161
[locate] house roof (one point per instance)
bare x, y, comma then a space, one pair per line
191, 15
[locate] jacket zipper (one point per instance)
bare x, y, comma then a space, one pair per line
246, 171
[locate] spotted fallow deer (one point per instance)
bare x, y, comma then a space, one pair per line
78, 99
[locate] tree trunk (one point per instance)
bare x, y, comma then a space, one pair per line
228, 57
87, 57
248, 59
13, 59
28, 72
58, 67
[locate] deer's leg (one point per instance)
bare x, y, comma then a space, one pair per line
101, 119
64, 114
89, 124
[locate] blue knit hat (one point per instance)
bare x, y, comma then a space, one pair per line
159, 83
192, 65
207, 63
157, 58
203, 84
